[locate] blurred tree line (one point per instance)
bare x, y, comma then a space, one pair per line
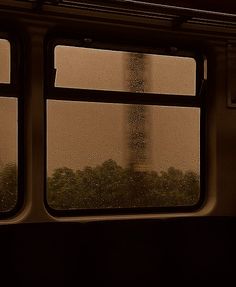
108, 186
111, 186
8, 187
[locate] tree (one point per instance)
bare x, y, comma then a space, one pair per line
101, 186
191, 187
62, 189
8, 187
110, 186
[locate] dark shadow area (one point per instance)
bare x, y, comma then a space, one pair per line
176, 252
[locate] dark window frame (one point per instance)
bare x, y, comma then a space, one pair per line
74, 94
14, 89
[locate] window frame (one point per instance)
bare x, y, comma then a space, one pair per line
105, 96
14, 89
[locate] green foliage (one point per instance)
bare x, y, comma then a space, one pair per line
111, 186
8, 187
108, 186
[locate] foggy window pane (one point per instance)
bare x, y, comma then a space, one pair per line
8, 153
98, 69
103, 155
4, 61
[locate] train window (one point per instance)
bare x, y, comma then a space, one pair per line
123, 131
9, 134
89, 160
110, 70
4, 61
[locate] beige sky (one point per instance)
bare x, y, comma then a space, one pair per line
107, 70
4, 61
86, 134
81, 134
8, 130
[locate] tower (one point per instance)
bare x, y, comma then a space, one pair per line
137, 115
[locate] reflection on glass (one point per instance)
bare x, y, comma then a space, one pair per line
8, 154
98, 69
94, 156
4, 61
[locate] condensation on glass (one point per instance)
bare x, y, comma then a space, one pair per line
98, 69
103, 155
5, 61
8, 153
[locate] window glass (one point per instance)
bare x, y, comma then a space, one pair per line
103, 155
98, 69
8, 153
4, 61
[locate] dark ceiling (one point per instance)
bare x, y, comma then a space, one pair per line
228, 6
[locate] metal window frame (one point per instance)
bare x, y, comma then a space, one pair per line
57, 93
14, 89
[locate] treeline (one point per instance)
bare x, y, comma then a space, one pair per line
111, 186
8, 187
107, 186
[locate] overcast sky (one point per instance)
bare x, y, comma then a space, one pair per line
87, 134
81, 134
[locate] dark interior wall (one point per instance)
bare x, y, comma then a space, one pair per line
177, 252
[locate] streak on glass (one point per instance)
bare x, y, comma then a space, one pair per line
4, 61
88, 157
98, 69
8, 153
